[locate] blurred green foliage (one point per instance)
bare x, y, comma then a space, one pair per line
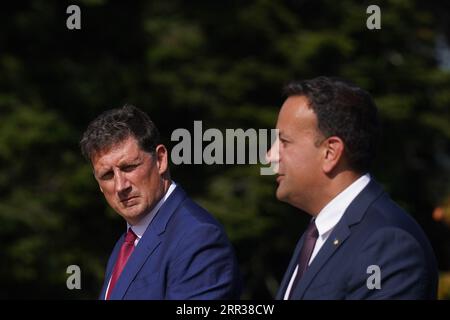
222, 62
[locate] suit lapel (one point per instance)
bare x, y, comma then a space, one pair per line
111, 261
150, 240
353, 215
290, 270
340, 233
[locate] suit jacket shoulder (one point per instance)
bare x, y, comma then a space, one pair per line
376, 251
183, 254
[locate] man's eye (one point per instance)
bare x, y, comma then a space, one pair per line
129, 168
107, 176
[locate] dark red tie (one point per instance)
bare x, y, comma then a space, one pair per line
311, 235
125, 252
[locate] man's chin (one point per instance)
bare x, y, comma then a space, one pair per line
281, 195
132, 215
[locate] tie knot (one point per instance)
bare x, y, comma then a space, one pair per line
311, 231
130, 237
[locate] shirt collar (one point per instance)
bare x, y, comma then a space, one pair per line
140, 227
330, 215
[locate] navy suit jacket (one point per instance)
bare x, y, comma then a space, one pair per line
183, 254
372, 231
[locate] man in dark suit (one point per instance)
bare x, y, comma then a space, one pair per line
359, 244
173, 249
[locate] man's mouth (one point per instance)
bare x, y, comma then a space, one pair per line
125, 201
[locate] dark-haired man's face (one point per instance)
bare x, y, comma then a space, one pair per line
130, 178
298, 162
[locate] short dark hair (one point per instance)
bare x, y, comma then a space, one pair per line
116, 125
343, 110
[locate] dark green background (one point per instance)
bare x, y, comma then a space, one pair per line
222, 62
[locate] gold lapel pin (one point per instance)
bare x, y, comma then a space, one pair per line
336, 242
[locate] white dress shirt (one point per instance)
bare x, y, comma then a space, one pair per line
140, 227
329, 217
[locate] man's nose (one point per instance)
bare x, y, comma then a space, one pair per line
273, 155
268, 158
121, 183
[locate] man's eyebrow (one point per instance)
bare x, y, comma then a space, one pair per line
128, 161
282, 134
102, 172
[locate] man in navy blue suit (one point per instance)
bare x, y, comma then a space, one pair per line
173, 248
359, 244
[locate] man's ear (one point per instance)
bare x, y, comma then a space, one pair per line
161, 159
333, 153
